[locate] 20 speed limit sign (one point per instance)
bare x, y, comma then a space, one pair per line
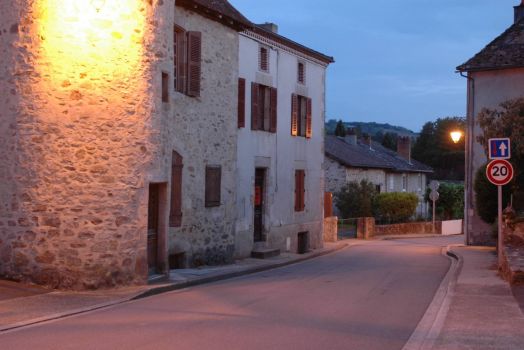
499, 172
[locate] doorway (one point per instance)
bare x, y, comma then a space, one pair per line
154, 228
260, 187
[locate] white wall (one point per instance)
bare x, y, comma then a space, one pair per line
280, 153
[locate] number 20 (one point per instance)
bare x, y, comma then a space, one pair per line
500, 171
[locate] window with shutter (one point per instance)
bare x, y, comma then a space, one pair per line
194, 63
241, 103
180, 56
273, 110
263, 108
301, 74
309, 121
254, 106
301, 116
300, 190
294, 115
175, 215
213, 186
263, 59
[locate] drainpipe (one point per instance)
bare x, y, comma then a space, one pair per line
470, 124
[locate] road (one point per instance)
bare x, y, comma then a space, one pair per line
370, 296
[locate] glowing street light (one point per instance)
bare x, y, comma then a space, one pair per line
456, 136
98, 4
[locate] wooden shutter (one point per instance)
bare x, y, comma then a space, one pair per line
273, 111
299, 190
303, 188
180, 59
254, 106
194, 63
175, 215
213, 186
309, 120
241, 102
294, 115
264, 59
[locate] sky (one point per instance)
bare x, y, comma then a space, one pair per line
395, 59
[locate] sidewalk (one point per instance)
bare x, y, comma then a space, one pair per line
25, 305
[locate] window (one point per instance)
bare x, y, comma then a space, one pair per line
377, 188
165, 87
175, 215
263, 108
404, 183
263, 59
213, 186
241, 103
301, 116
187, 48
301, 75
300, 190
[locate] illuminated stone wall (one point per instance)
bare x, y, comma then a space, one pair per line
76, 140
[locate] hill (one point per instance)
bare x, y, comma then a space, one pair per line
376, 130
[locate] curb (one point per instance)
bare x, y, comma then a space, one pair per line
168, 288
431, 324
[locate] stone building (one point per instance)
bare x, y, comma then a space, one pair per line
494, 75
280, 143
351, 160
117, 147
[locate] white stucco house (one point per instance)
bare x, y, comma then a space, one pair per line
349, 159
494, 75
281, 116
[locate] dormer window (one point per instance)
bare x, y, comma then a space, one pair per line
301, 74
263, 59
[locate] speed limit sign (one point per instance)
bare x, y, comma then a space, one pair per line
499, 172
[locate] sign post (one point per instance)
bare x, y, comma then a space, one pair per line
434, 196
500, 172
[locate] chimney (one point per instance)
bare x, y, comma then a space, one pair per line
270, 27
519, 12
404, 147
367, 140
351, 137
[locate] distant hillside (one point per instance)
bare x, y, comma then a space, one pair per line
376, 130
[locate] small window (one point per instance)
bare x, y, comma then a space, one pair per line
301, 116
213, 186
404, 183
180, 57
300, 190
301, 73
377, 188
263, 59
165, 87
263, 108
187, 48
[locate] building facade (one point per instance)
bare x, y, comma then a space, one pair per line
280, 143
494, 75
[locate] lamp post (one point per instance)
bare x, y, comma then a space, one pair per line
456, 136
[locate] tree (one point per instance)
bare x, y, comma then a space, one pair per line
355, 200
435, 148
340, 129
396, 207
389, 140
486, 199
450, 204
507, 121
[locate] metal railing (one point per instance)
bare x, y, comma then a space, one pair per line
347, 228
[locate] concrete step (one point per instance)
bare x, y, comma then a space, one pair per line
265, 253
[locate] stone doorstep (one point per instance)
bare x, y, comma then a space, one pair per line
265, 253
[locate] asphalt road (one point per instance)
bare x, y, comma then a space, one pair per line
365, 297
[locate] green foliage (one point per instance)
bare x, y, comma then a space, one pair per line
487, 197
507, 121
435, 148
389, 140
450, 205
396, 207
340, 130
355, 200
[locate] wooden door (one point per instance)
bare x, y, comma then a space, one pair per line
152, 227
260, 179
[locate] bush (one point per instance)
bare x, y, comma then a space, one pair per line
355, 200
396, 207
487, 198
450, 204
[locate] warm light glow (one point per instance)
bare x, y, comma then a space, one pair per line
95, 38
456, 136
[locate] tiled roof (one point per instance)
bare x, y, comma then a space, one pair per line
218, 10
376, 157
506, 51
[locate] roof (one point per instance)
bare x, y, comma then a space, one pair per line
378, 157
218, 10
291, 44
506, 51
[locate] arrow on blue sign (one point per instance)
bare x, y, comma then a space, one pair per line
499, 148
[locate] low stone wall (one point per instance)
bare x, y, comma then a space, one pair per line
331, 229
408, 229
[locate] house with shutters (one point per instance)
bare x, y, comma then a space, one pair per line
349, 159
494, 75
281, 109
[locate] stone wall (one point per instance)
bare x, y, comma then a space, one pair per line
76, 141
331, 229
408, 228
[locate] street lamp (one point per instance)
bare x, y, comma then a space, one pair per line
456, 136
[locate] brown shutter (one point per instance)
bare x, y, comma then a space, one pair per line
309, 121
254, 106
175, 215
303, 188
300, 190
181, 59
297, 190
194, 63
273, 111
241, 102
294, 115
213, 186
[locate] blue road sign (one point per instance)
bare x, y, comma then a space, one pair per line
499, 148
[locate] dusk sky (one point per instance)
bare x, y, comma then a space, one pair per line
395, 59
